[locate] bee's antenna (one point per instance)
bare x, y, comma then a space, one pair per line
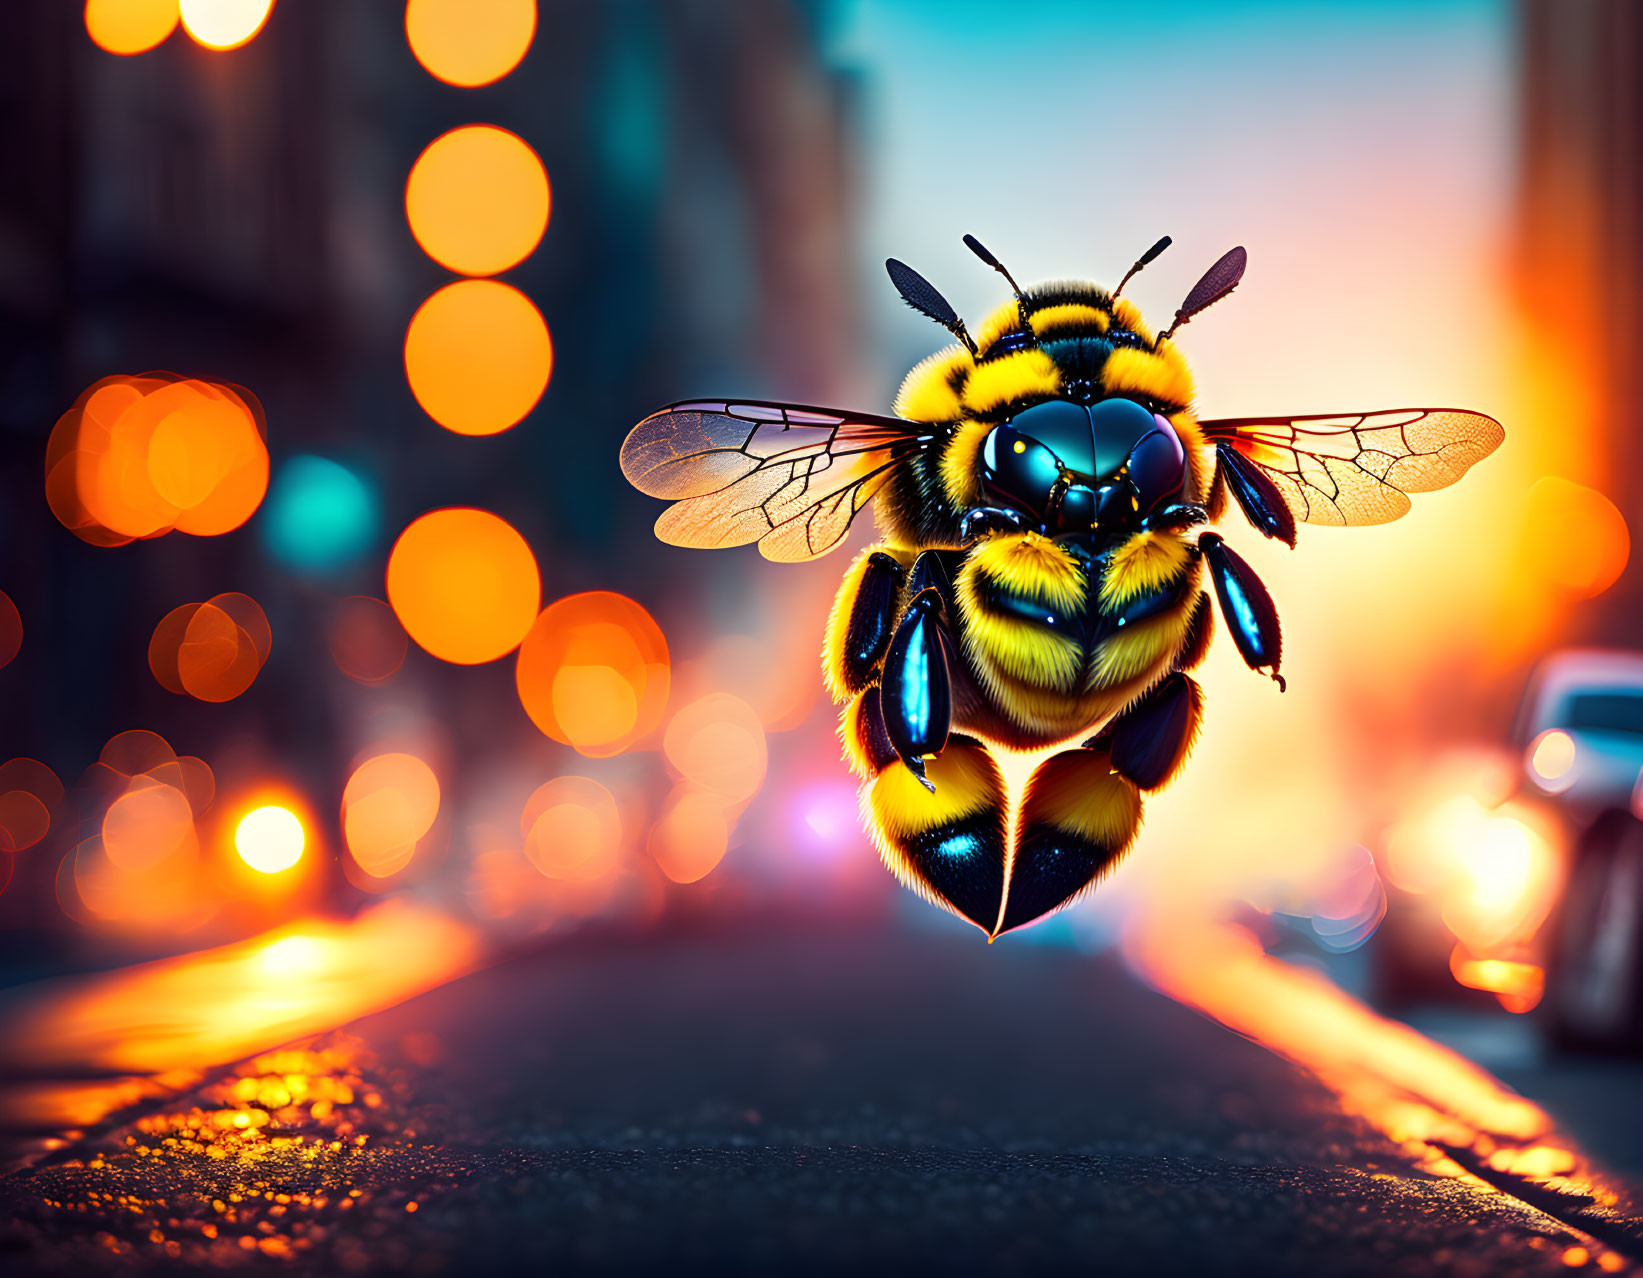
1141, 261
1216, 283
980, 250
923, 297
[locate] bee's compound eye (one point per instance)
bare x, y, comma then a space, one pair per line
1018, 470
1157, 464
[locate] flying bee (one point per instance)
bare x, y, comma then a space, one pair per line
1043, 578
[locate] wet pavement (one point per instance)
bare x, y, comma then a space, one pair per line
810, 1102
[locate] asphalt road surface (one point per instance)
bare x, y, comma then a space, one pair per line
808, 1103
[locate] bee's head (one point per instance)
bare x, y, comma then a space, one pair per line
1073, 467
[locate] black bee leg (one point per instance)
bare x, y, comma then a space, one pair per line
1152, 738
980, 521
916, 693
871, 622
1176, 517
1246, 607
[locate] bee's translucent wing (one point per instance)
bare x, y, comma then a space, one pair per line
786, 476
1358, 468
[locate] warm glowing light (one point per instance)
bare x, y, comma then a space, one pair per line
470, 42
211, 651
718, 743
11, 630
692, 835
464, 585
389, 803
224, 24
1575, 539
129, 26
294, 955
593, 673
477, 200
572, 829
270, 839
147, 824
367, 642
29, 793
1518, 985
138, 457
1552, 760
478, 356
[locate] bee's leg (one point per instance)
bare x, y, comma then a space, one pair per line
1078, 817
916, 688
863, 620
1246, 607
980, 521
946, 844
1150, 741
1195, 644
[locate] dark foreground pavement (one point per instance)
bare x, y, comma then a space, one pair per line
814, 1103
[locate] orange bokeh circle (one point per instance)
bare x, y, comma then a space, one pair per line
127, 27
718, 743
594, 673
389, 803
366, 640
572, 829
478, 356
211, 651
469, 42
11, 629
464, 584
477, 200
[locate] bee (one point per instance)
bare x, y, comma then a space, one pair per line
1042, 583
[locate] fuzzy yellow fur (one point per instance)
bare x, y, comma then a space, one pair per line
1163, 376
838, 620
932, 392
1031, 565
1003, 318
1128, 314
855, 757
998, 382
1069, 315
1018, 650
1140, 650
1200, 456
966, 781
961, 465
1148, 560
1078, 792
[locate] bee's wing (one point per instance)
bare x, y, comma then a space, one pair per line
788, 477
1358, 468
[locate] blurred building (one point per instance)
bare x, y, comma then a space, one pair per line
240, 216
1581, 248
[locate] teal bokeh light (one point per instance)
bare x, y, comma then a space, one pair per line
319, 516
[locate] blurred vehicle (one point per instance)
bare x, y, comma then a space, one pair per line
1521, 868
1581, 728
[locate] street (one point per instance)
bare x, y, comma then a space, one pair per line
751, 1102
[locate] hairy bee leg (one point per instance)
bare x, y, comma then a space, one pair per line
1150, 741
862, 622
1078, 818
1246, 607
946, 844
916, 688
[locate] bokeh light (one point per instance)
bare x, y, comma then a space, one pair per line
1552, 760
1574, 538
211, 651
477, 200
149, 823
389, 803
718, 744
469, 42
691, 836
136, 457
11, 630
129, 26
593, 673
270, 839
223, 24
478, 356
572, 829
319, 517
464, 585
366, 640
29, 794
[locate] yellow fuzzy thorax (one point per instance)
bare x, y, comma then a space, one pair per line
1033, 566
1143, 564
